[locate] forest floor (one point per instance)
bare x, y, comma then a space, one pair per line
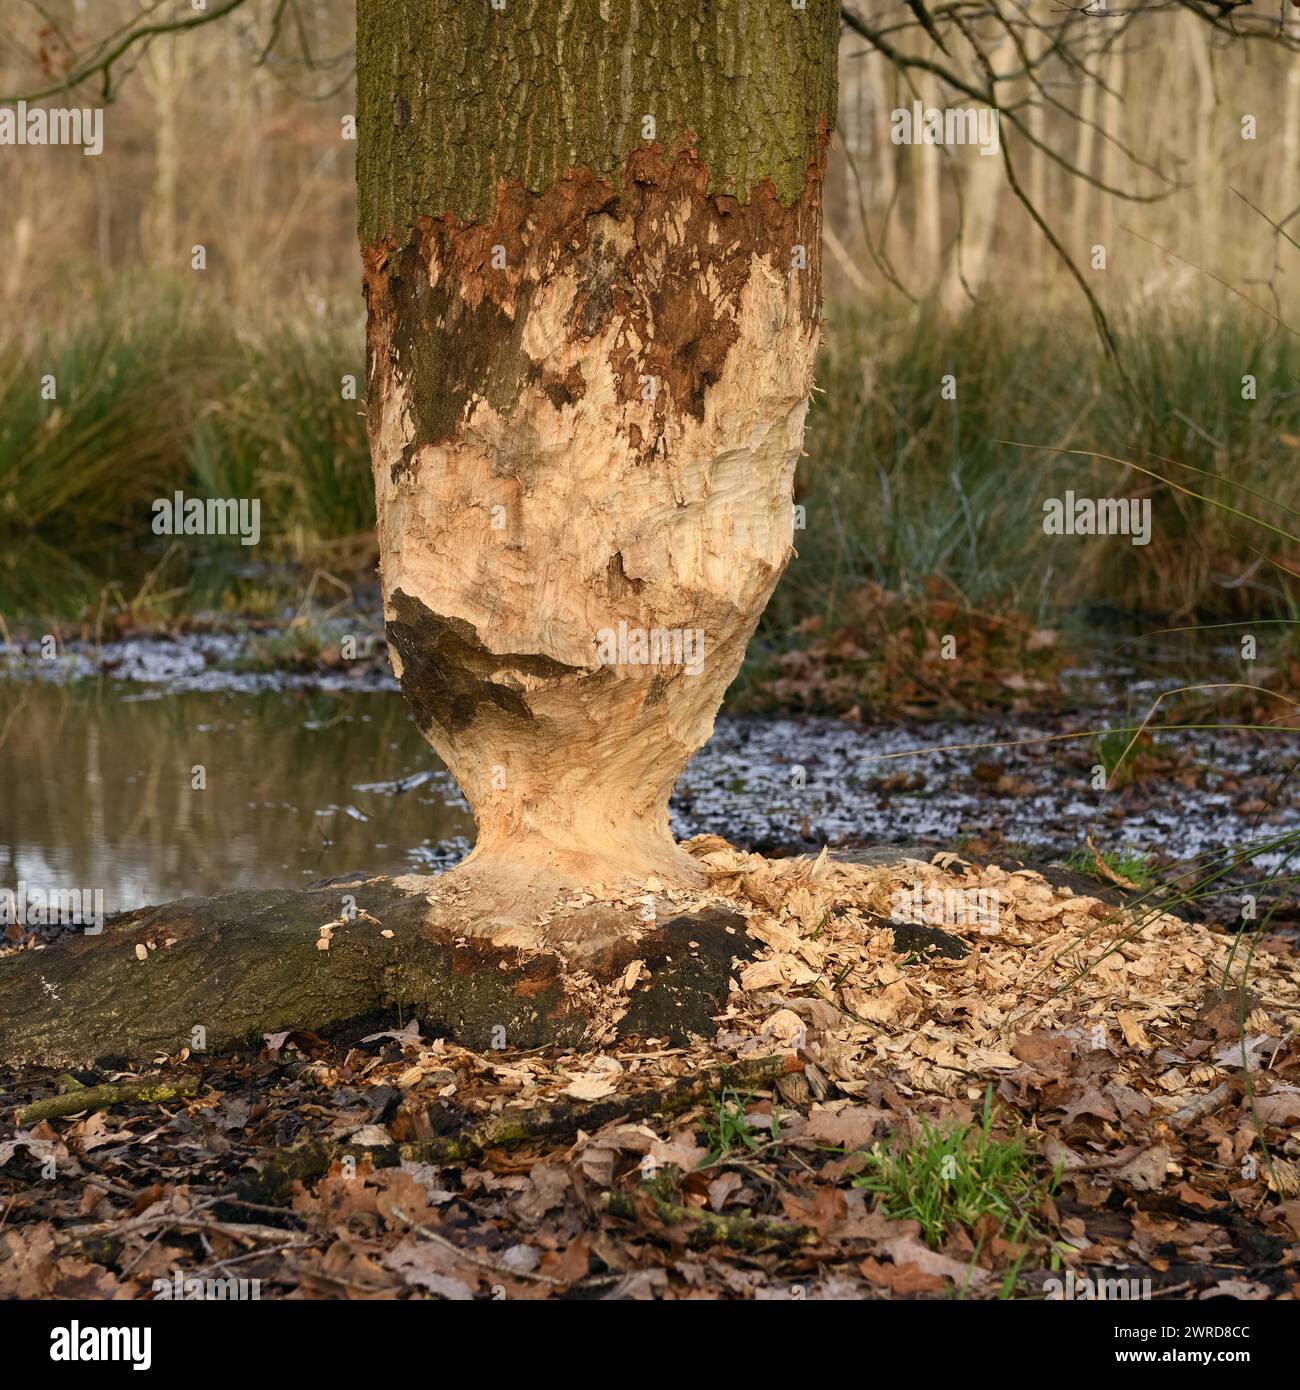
1062, 1091
1096, 1090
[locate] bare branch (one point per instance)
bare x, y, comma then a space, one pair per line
109, 50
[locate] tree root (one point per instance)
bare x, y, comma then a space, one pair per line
73, 1101
212, 974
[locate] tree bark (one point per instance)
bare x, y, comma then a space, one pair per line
591, 237
211, 974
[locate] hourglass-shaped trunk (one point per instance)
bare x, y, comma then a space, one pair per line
591, 235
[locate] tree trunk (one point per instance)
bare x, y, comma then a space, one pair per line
1085, 234
591, 240
927, 194
1113, 126
591, 237
215, 973
968, 256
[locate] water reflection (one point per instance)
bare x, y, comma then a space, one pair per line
99, 789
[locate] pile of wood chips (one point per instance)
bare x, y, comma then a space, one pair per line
831, 979
831, 984
1117, 1038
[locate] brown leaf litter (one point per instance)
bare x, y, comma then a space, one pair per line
1152, 1061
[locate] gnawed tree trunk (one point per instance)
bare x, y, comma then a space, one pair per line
591, 237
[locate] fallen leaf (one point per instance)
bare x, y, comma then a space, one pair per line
724, 1186
590, 1087
909, 1252
1146, 1171
850, 1127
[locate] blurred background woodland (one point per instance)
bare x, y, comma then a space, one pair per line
1151, 133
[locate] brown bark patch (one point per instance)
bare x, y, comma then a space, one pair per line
564, 390
658, 260
618, 583
448, 671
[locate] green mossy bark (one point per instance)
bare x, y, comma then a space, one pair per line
699, 1227
244, 964
81, 1098
453, 97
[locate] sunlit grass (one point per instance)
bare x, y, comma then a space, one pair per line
160, 389
907, 489
155, 391
957, 1176
1133, 865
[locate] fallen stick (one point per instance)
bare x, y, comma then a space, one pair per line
741, 1231
181, 1221
561, 1121
478, 1259
104, 1097
1202, 1106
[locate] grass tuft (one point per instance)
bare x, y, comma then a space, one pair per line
960, 1176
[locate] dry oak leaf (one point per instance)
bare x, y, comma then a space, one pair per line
1146, 1170
823, 1209
591, 1087
429, 1266
908, 1252
1061, 1156
548, 1187
1043, 1049
1091, 1102
901, 1279
848, 1127
724, 1187
1279, 1108
1190, 1197
1236, 1288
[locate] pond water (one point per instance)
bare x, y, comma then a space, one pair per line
100, 790
303, 779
